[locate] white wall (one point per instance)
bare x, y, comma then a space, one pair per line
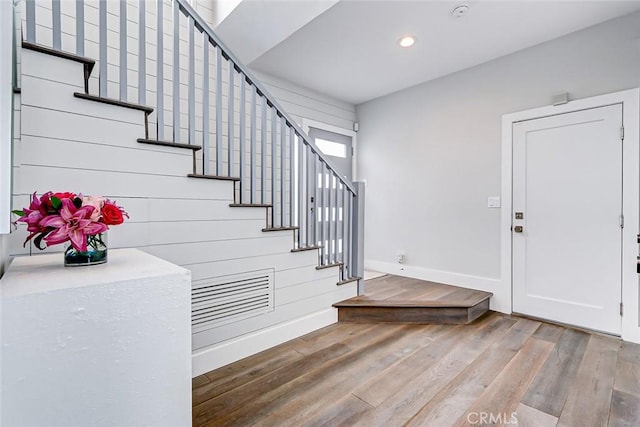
431, 154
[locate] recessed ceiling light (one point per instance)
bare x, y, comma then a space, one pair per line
460, 10
407, 41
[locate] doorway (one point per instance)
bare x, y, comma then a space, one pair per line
556, 206
567, 218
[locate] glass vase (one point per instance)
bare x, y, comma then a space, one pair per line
96, 252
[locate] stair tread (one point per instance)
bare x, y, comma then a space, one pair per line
250, 205
90, 63
306, 248
203, 176
279, 228
335, 264
349, 280
169, 144
112, 101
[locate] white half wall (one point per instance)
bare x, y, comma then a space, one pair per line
106, 345
431, 154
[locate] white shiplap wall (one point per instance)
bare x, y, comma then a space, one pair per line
297, 101
301, 103
72, 144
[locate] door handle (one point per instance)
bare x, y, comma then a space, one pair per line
518, 229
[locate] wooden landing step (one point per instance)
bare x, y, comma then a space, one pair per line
394, 299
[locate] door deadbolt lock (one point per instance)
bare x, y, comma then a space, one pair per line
518, 229
519, 215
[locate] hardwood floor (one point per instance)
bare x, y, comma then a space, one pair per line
497, 370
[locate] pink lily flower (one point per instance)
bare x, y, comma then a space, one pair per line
72, 224
34, 213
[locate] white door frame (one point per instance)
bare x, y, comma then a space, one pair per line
308, 123
630, 100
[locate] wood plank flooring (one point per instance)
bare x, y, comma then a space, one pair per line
498, 370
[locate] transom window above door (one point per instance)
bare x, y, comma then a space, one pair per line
332, 148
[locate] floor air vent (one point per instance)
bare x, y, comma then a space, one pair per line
224, 299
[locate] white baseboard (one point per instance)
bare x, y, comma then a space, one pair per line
221, 354
500, 301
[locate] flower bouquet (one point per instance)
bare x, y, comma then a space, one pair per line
55, 218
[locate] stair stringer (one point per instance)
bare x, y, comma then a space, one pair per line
72, 144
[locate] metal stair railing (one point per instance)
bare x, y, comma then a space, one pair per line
163, 54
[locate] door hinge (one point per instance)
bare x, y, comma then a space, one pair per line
621, 309
621, 221
622, 133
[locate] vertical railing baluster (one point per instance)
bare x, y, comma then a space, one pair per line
206, 150
263, 150
330, 236
142, 53
352, 260
31, 20
123, 50
176, 72
345, 232
337, 229
218, 111
283, 140
306, 183
80, 27
274, 158
230, 111
241, 142
299, 184
103, 48
252, 152
314, 234
55, 25
191, 94
308, 191
322, 213
160, 72
292, 154
334, 217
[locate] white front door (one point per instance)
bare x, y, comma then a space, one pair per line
567, 205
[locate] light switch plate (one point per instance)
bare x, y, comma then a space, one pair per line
493, 201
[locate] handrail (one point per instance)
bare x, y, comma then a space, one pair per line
251, 79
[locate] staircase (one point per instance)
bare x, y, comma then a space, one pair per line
97, 118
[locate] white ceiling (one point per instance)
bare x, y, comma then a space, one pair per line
348, 49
